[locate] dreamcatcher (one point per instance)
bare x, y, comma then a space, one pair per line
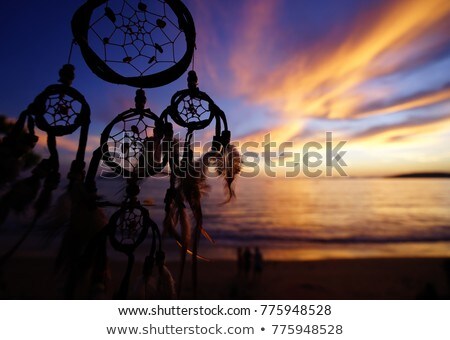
141, 44
137, 43
59, 110
132, 147
194, 110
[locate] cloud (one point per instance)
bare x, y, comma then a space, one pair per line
322, 80
416, 100
67, 144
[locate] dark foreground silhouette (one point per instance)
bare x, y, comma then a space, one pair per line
330, 279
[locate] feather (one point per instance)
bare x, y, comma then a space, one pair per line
94, 266
229, 167
185, 230
43, 201
194, 187
159, 286
9, 169
189, 252
123, 290
86, 220
19, 196
57, 218
89, 276
166, 284
15, 153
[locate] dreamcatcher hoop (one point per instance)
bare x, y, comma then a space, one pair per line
132, 114
81, 26
191, 100
141, 224
140, 116
53, 111
40, 108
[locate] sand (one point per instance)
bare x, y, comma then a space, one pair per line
410, 278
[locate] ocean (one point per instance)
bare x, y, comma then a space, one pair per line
312, 219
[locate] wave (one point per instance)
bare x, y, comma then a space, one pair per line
236, 237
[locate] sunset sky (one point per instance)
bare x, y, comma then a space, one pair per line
375, 73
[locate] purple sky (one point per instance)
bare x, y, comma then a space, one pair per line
375, 73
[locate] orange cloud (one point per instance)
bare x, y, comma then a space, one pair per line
420, 101
68, 143
320, 81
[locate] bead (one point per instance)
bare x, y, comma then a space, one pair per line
159, 48
142, 7
161, 23
110, 14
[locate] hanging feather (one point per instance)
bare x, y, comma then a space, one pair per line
194, 187
58, 217
166, 284
86, 220
43, 201
20, 196
93, 271
229, 166
160, 284
40, 205
176, 213
15, 150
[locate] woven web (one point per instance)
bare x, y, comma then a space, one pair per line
128, 141
129, 226
61, 110
137, 37
193, 109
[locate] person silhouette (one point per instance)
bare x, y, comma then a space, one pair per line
240, 261
247, 261
257, 262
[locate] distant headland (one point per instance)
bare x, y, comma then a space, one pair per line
423, 175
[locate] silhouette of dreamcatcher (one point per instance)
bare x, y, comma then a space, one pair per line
131, 146
194, 110
59, 110
138, 43
143, 44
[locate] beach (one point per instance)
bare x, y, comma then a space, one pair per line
383, 278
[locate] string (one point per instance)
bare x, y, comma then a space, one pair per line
193, 58
71, 49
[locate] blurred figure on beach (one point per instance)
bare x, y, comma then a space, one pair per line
240, 261
247, 261
257, 263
